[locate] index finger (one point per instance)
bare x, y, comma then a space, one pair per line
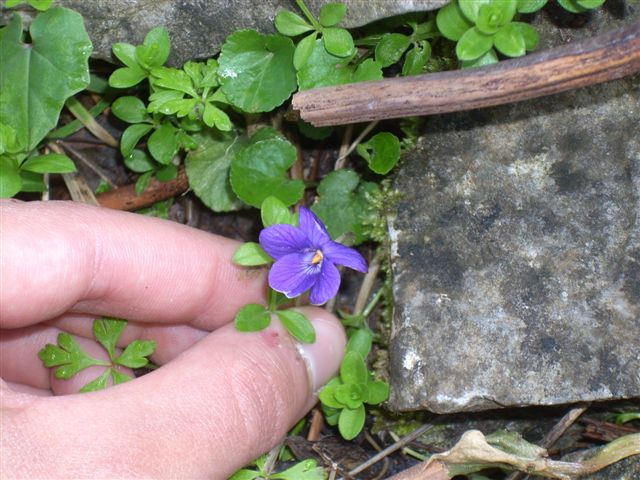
65, 256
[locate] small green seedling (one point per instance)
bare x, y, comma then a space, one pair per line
68, 358
304, 470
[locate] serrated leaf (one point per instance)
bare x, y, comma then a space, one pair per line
50, 163
291, 24
99, 383
473, 44
208, 169
130, 109
353, 369
107, 331
323, 69
303, 50
381, 152
297, 325
162, 143
173, 79
134, 355
343, 204
131, 136
360, 341
451, 21
251, 254
338, 42
274, 212
68, 356
260, 170
36, 79
351, 422
252, 318
256, 71
118, 377
214, 117
391, 48
332, 13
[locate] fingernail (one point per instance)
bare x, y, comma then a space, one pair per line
322, 357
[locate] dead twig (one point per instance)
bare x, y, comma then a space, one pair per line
605, 57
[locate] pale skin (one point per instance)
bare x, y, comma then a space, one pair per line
221, 397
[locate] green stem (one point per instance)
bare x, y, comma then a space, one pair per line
307, 13
372, 304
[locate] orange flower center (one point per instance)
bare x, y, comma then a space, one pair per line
317, 258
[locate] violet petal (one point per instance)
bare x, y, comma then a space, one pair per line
294, 274
280, 240
326, 287
313, 227
343, 255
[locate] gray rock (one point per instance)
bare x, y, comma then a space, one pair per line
516, 255
198, 28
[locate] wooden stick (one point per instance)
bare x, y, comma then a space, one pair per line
125, 198
605, 57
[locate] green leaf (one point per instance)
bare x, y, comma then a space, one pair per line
351, 422
251, 254
368, 70
134, 356
162, 143
391, 48
143, 182
126, 53
530, 6
99, 383
130, 109
381, 152
50, 163
131, 136
252, 318
67, 356
416, 59
173, 79
107, 331
360, 341
169, 102
305, 470
260, 170
297, 325
590, 4
529, 34
303, 50
10, 181
579, 6
167, 173
126, 77
155, 49
332, 13
323, 69
627, 417
353, 369
118, 377
36, 79
32, 182
451, 21
274, 212
377, 392
139, 161
350, 394
473, 44
314, 133
488, 58
208, 169
327, 395
494, 15
510, 41
256, 71
214, 117
338, 42
343, 204
245, 474
471, 8
291, 24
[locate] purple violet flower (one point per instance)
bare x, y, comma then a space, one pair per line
306, 258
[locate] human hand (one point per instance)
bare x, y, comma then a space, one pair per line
221, 398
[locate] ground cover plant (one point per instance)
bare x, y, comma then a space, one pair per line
222, 123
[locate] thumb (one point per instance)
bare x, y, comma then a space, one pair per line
222, 403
